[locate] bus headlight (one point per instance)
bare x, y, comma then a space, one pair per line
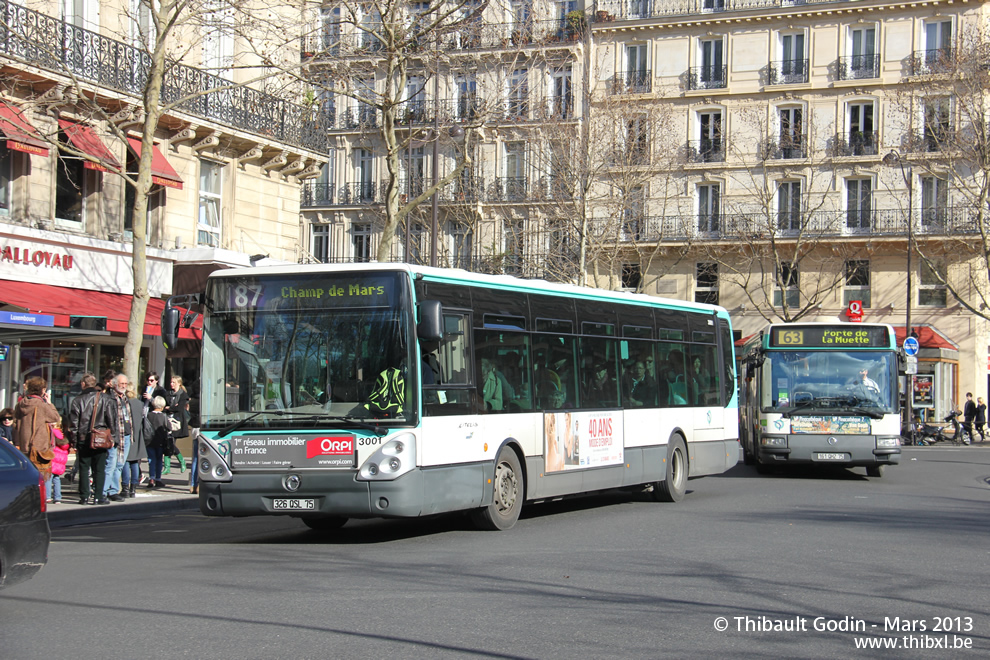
888, 442
393, 459
773, 441
213, 459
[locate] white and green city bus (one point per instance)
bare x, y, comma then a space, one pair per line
381, 390
821, 393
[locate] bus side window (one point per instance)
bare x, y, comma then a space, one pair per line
455, 364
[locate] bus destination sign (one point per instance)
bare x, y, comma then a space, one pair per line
829, 336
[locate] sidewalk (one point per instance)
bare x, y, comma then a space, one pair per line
147, 502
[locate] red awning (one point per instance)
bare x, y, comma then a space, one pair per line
85, 140
63, 302
928, 337
162, 172
21, 135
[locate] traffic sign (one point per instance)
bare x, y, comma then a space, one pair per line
911, 346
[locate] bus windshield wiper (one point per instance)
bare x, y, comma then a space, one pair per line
241, 422
350, 419
821, 403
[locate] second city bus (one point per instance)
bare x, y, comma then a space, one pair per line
821, 393
379, 390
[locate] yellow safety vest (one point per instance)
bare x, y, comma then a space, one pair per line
389, 395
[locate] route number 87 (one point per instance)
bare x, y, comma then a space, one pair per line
243, 296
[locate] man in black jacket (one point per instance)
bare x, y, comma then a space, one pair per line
81, 423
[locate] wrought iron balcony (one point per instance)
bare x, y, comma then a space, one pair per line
316, 194
356, 118
631, 155
708, 77
709, 150
508, 189
515, 110
62, 48
633, 82
932, 140
620, 10
856, 143
793, 146
857, 67
787, 72
360, 193
934, 61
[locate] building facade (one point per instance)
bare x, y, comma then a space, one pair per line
228, 163
782, 159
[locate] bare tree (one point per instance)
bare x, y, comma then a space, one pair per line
160, 61
943, 113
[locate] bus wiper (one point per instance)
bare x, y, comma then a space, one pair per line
829, 401
241, 422
350, 419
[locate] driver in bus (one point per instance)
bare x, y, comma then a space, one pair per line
865, 387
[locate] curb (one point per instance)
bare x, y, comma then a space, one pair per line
67, 515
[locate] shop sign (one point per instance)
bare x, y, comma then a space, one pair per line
38, 258
855, 311
23, 318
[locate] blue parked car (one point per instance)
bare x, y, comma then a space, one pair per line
24, 532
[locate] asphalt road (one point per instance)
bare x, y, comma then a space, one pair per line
610, 576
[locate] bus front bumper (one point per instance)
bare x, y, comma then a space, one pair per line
843, 450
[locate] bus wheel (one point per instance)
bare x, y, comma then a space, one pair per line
672, 488
875, 471
324, 523
507, 502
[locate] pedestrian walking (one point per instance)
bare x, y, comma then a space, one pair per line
981, 417
969, 416
131, 475
34, 419
117, 456
177, 407
90, 410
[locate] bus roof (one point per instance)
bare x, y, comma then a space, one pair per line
467, 278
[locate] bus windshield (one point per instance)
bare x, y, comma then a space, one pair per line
306, 351
831, 382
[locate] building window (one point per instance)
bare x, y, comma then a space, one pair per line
514, 245
710, 148
218, 40
562, 94
517, 107
862, 49
361, 235
938, 41
788, 286
859, 204
793, 65
709, 208
937, 123
637, 140
5, 178
514, 183
861, 140
632, 276
857, 282
789, 206
366, 175
791, 132
463, 252
934, 203
712, 70
706, 282
414, 166
418, 239
210, 203
319, 244
70, 188
637, 70
467, 97
633, 220
932, 291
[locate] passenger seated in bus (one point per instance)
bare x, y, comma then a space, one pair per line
601, 391
549, 396
432, 373
491, 387
638, 389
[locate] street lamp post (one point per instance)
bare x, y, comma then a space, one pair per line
456, 134
891, 159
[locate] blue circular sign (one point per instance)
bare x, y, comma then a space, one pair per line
911, 346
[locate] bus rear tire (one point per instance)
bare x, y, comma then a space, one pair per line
674, 485
509, 492
875, 471
324, 523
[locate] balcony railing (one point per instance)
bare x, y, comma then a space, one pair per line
500, 190
856, 143
787, 72
932, 140
936, 60
608, 11
316, 194
62, 48
706, 151
633, 82
708, 77
857, 67
794, 146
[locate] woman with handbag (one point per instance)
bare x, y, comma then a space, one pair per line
34, 418
177, 409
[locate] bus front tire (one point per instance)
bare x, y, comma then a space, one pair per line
875, 471
324, 523
509, 492
674, 485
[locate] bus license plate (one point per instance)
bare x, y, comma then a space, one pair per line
832, 457
294, 504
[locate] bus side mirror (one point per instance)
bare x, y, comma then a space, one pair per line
430, 327
170, 326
